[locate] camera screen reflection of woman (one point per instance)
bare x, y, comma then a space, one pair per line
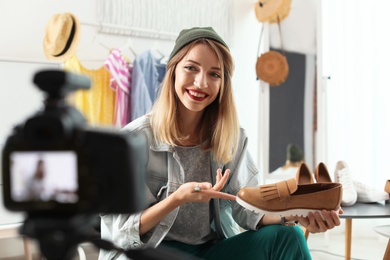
35, 186
193, 134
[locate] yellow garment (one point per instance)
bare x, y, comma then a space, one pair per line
98, 103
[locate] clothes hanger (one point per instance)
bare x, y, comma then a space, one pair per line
111, 49
106, 47
127, 46
132, 51
95, 36
159, 52
155, 50
92, 43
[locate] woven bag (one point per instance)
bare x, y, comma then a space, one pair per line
272, 67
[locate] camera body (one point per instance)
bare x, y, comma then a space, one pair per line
54, 163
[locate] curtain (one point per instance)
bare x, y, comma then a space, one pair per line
356, 56
162, 19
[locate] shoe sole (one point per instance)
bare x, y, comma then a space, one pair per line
284, 213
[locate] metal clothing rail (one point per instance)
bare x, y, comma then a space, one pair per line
20, 60
132, 31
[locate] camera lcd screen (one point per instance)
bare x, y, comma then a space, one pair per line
44, 176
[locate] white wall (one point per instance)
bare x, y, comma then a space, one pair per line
22, 26
246, 87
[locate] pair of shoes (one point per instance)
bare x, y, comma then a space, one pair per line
367, 194
355, 191
343, 175
321, 174
287, 198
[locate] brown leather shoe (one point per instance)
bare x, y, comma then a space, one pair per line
286, 198
322, 174
304, 176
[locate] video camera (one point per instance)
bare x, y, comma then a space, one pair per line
56, 168
54, 163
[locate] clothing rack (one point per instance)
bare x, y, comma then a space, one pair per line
132, 31
38, 61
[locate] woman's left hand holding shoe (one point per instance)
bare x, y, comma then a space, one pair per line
315, 223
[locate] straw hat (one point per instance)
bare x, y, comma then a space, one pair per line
272, 67
269, 10
62, 36
283, 12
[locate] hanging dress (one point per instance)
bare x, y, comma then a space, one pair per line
97, 103
120, 72
146, 78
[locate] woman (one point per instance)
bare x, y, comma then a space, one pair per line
197, 160
294, 159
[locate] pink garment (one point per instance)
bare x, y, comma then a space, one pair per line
120, 78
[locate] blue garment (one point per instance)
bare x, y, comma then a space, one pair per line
147, 75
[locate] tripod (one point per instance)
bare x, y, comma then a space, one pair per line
59, 236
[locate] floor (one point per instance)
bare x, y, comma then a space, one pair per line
366, 243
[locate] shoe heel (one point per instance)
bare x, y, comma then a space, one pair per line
322, 174
304, 176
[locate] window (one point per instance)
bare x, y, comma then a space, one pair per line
356, 56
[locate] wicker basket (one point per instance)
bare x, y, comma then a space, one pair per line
272, 67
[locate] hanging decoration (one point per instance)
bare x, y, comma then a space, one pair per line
272, 10
62, 36
272, 66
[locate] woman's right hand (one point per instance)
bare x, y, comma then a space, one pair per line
203, 191
188, 192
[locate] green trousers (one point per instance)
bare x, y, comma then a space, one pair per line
269, 242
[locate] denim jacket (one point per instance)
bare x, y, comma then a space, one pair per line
164, 173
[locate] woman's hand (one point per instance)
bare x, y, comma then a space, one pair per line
203, 191
188, 192
314, 223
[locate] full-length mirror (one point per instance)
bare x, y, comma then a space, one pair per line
292, 104
292, 115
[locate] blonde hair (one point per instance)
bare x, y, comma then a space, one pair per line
219, 118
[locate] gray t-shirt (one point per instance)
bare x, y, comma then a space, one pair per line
192, 224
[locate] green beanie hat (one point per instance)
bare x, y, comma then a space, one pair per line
294, 153
189, 35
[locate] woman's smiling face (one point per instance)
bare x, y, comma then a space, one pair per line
198, 78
